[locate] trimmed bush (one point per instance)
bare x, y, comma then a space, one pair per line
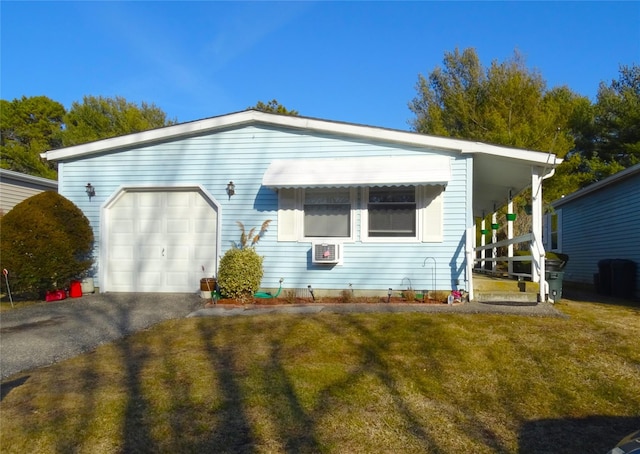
240, 273
46, 242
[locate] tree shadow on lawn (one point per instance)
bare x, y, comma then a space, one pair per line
8, 386
593, 434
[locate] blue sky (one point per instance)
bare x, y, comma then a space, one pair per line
346, 61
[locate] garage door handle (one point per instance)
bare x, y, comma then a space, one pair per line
163, 252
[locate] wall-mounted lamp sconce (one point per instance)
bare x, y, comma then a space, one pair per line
231, 189
90, 190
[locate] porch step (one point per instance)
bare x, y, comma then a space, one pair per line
504, 297
490, 288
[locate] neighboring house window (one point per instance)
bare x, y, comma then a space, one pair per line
392, 212
327, 213
552, 231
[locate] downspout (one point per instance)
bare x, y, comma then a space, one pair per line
537, 248
538, 271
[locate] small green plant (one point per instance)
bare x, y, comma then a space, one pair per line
240, 271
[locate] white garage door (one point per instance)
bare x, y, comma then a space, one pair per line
159, 241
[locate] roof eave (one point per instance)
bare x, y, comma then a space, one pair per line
299, 123
623, 174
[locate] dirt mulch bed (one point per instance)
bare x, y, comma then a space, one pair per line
323, 301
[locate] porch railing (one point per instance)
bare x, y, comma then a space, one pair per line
493, 258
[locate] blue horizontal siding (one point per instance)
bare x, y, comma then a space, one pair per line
242, 156
604, 224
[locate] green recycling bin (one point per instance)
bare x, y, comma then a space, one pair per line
554, 279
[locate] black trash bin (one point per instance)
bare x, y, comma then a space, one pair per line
604, 270
554, 280
623, 278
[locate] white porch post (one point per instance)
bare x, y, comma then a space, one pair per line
510, 233
494, 240
483, 242
470, 247
537, 247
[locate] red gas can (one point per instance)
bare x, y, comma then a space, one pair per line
55, 295
75, 289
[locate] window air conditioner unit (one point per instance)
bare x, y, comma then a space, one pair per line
326, 253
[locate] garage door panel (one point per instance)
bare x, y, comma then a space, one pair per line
124, 203
206, 252
143, 224
122, 252
148, 226
121, 226
121, 280
180, 198
151, 253
202, 211
178, 226
177, 279
149, 199
150, 277
178, 252
204, 226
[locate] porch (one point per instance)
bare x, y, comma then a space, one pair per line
497, 258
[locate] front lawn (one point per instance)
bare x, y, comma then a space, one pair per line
360, 383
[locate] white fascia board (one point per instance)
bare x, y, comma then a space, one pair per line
300, 123
534, 157
150, 136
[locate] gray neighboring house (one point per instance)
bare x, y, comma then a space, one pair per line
600, 223
16, 187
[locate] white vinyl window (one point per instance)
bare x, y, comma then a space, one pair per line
386, 214
392, 212
327, 213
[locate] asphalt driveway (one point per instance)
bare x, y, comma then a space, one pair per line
43, 334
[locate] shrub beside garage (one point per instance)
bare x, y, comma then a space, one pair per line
46, 241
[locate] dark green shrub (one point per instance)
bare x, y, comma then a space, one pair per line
46, 241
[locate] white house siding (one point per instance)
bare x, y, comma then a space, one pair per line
603, 224
242, 155
16, 187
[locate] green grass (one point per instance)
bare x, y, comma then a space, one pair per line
361, 383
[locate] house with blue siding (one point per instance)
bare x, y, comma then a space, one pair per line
351, 206
599, 223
